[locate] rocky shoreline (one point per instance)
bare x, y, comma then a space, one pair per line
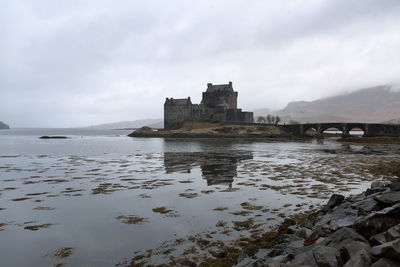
217, 131
362, 230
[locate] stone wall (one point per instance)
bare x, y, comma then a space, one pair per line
214, 99
175, 114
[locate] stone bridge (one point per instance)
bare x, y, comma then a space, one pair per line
370, 129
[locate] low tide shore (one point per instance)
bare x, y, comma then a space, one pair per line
362, 230
359, 231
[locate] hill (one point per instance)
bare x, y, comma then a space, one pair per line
3, 126
375, 104
153, 123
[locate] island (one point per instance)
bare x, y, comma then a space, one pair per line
4, 126
212, 130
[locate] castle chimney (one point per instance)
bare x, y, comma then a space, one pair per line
230, 84
209, 85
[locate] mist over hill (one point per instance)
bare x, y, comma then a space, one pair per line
3, 126
374, 104
154, 123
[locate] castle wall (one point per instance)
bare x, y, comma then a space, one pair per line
214, 99
176, 114
237, 115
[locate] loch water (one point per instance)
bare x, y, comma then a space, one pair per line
80, 192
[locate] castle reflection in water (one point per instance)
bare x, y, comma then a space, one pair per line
217, 168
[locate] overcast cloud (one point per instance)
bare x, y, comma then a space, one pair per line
75, 63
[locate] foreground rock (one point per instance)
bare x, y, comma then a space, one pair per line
3, 126
362, 230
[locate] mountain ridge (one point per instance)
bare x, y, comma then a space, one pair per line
153, 123
372, 104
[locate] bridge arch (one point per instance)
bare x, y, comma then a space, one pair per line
334, 128
310, 130
357, 131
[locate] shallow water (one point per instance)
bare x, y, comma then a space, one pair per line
80, 192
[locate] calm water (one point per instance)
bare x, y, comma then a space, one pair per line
74, 193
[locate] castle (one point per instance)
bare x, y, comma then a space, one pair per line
219, 104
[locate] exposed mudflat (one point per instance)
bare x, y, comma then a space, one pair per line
109, 200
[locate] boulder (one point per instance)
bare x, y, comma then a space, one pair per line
342, 234
348, 248
390, 235
295, 245
388, 199
246, 262
323, 220
359, 259
304, 258
320, 231
334, 201
343, 216
378, 222
395, 186
383, 262
371, 191
389, 250
303, 233
377, 184
327, 257
366, 205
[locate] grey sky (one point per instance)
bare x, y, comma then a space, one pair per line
75, 63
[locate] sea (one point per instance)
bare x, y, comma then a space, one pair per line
101, 198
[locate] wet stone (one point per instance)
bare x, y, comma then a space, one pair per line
395, 186
334, 201
343, 234
304, 258
388, 198
348, 248
359, 259
246, 262
384, 262
389, 250
343, 217
378, 222
366, 205
390, 235
327, 256
377, 184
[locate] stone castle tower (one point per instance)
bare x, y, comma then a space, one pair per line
219, 104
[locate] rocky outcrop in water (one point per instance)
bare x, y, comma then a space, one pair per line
363, 230
3, 126
53, 137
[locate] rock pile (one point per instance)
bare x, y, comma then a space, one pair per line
363, 230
